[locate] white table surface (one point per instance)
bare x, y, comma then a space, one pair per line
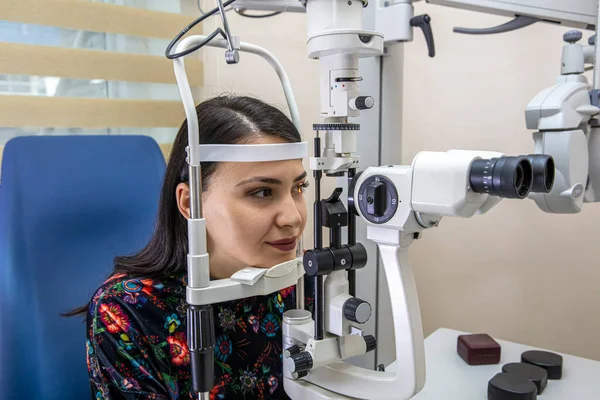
450, 378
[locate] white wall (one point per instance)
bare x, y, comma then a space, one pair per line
516, 273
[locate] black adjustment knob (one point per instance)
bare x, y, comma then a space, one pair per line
592, 40
318, 262
357, 310
299, 375
364, 102
572, 36
359, 256
371, 342
290, 351
342, 257
333, 211
201, 343
302, 362
376, 199
377, 194
424, 22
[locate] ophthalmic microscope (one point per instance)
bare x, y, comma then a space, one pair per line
397, 202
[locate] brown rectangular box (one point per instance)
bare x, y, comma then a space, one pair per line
478, 349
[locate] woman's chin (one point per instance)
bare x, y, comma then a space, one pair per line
271, 262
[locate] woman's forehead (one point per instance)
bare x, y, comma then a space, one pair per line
287, 170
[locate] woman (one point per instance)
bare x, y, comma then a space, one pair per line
255, 213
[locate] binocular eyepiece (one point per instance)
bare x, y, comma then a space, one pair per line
513, 177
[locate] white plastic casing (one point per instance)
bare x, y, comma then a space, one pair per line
563, 106
344, 142
336, 96
560, 113
327, 16
336, 37
335, 27
393, 20
573, 59
570, 152
441, 183
336, 294
574, 13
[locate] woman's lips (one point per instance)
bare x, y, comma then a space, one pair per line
285, 245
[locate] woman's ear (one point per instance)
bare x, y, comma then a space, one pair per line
182, 193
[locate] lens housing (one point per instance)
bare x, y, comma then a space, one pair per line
506, 177
543, 172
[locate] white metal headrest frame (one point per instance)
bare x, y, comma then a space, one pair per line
185, 90
252, 152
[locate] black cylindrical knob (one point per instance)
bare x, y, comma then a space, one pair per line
572, 36
302, 362
318, 262
364, 102
371, 342
342, 258
357, 310
299, 375
359, 256
290, 351
201, 343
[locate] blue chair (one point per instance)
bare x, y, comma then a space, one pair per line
68, 205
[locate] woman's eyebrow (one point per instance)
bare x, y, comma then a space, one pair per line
266, 179
300, 177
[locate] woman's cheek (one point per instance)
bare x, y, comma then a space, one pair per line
252, 224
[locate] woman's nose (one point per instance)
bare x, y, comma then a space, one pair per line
289, 213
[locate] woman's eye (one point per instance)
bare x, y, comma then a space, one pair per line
302, 187
263, 193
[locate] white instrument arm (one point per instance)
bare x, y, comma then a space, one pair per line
571, 13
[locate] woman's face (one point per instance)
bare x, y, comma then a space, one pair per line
255, 213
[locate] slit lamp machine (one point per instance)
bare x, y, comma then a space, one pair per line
397, 202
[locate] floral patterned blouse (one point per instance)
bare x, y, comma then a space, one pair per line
137, 346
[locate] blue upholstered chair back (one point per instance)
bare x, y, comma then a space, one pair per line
68, 205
